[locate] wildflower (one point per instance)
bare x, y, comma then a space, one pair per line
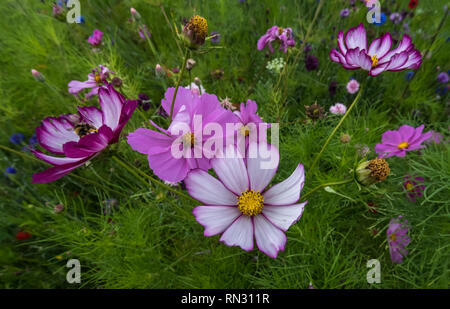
414, 187
237, 205
443, 78
353, 53
373, 171
144, 101
33, 140
188, 107
96, 79
352, 86
58, 208
344, 13
215, 37
345, 138
116, 82
332, 88
277, 34
196, 89
144, 33
362, 150
80, 138
226, 103
218, 73
276, 65
190, 64
398, 239
311, 62
435, 137
397, 143
396, 18
413, 4
338, 109
310, 286
96, 38
38, 76
409, 75
79, 20
135, 14
159, 71
250, 121
21, 236
195, 31
382, 20
9, 170
17, 138
315, 111
57, 10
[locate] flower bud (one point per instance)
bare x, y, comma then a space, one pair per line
345, 138
58, 208
190, 64
197, 81
373, 171
116, 82
159, 71
38, 76
195, 32
135, 14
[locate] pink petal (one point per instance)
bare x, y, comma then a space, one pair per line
380, 46
406, 132
142, 139
111, 103
397, 62
231, 171
208, 190
341, 43
91, 115
54, 160
269, 238
53, 133
89, 144
288, 191
356, 38
240, 233
215, 219
284, 216
259, 175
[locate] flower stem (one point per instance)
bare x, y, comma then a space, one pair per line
186, 56
139, 174
326, 185
334, 132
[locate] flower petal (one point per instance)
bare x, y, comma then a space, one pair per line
215, 219
259, 174
53, 133
284, 216
269, 238
111, 103
240, 233
59, 171
288, 191
231, 170
380, 46
356, 38
91, 115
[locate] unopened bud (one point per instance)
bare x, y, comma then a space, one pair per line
159, 71
190, 64
38, 76
116, 82
135, 14
197, 81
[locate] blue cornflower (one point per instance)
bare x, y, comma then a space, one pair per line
215, 37
409, 75
382, 20
80, 20
9, 170
17, 138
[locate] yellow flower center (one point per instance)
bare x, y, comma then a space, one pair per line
188, 139
199, 26
393, 237
409, 186
379, 169
280, 30
374, 61
403, 145
250, 202
245, 131
98, 78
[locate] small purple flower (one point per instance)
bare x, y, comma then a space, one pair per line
143, 30
215, 37
414, 187
96, 38
352, 86
345, 12
96, 80
277, 34
397, 143
396, 18
17, 138
311, 62
398, 239
338, 109
443, 78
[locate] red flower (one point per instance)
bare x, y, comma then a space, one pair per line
413, 4
23, 236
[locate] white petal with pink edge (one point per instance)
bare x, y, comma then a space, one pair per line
231, 170
288, 191
216, 219
240, 233
111, 104
284, 216
269, 238
262, 165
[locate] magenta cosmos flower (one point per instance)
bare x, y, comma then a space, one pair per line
238, 206
398, 239
75, 139
250, 121
186, 130
96, 38
414, 187
277, 34
96, 80
397, 143
353, 53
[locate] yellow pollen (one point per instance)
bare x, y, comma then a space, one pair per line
250, 202
245, 131
189, 139
280, 30
199, 26
379, 169
374, 61
409, 186
403, 145
393, 237
98, 79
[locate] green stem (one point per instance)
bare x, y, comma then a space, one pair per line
334, 132
138, 174
186, 56
325, 185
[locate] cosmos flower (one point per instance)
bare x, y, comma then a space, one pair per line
96, 80
38, 76
198, 90
96, 38
398, 239
338, 109
353, 53
397, 143
315, 111
443, 78
435, 137
188, 108
370, 172
250, 121
352, 86
77, 138
277, 34
238, 206
414, 187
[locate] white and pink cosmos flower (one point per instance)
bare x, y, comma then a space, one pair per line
96, 79
353, 53
239, 205
74, 139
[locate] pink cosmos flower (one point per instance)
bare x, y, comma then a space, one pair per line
185, 130
96, 38
96, 80
238, 206
277, 34
398, 239
250, 122
338, 109
397, 143
436, 137
414, 187
353, 86
75, 139
353, 53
